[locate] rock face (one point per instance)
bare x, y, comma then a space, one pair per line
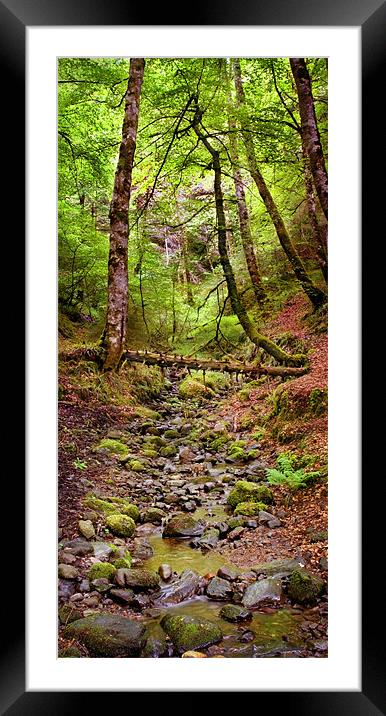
187, 585
107, 635
267, 591
183, 526
235, 613
189, 634
219, 589
304, 587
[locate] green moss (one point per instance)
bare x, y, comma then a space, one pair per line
113, 446
168, 451
136, 466
252, 454
318, 401
150, 453
101, 570
171, 433
188, 634
112, 505
70, 652
304, 587
121, 525
122, 563
244, 491
143, 412
192, 388
249, 509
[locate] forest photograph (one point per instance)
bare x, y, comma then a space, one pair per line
192, 250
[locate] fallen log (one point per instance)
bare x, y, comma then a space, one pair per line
167, 360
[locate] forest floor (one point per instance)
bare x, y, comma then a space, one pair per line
182, 455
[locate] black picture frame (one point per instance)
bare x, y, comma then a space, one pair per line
370, 15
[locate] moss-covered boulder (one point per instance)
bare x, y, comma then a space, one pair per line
115, 447
171, 434
101, 570
245, 491
154, 515
112, 505
249, 509
304, 587
189, 634
69, 613
193, 388
140, 579
108, 635
183, 526
121, 525
70, 652
122, 562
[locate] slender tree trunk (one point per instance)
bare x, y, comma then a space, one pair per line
315, 294
238, 308
310, 131
116, 321
317, 232
242, 209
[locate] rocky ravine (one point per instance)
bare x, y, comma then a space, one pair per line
183, 549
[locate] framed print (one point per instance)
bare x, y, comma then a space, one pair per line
350, 678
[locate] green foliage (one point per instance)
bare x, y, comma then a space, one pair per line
287, 475
79, 464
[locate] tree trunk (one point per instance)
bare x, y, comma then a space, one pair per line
116, 321
310, 131
315, 294
245, 227
316, 229
250, 329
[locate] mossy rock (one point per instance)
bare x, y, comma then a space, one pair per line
108, 635
234, 522
121, 525
171, 433
189, 634
100, 570
192, 388
154, 515
122, 563
112, 505
304, 587
69, 613
70, 652
113, 446
183, 526
136, 466
245, 491
168, 451
140, 579
143, 412
249, 509
149, 453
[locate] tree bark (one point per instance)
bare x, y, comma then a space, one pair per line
315, 294
310, 131
116, 320
316, 229
242, 209
238, 308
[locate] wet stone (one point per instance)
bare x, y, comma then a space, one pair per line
219, 589
235, 613
165, 572
267, 591
125, 596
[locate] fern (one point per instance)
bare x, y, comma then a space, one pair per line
287, 475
